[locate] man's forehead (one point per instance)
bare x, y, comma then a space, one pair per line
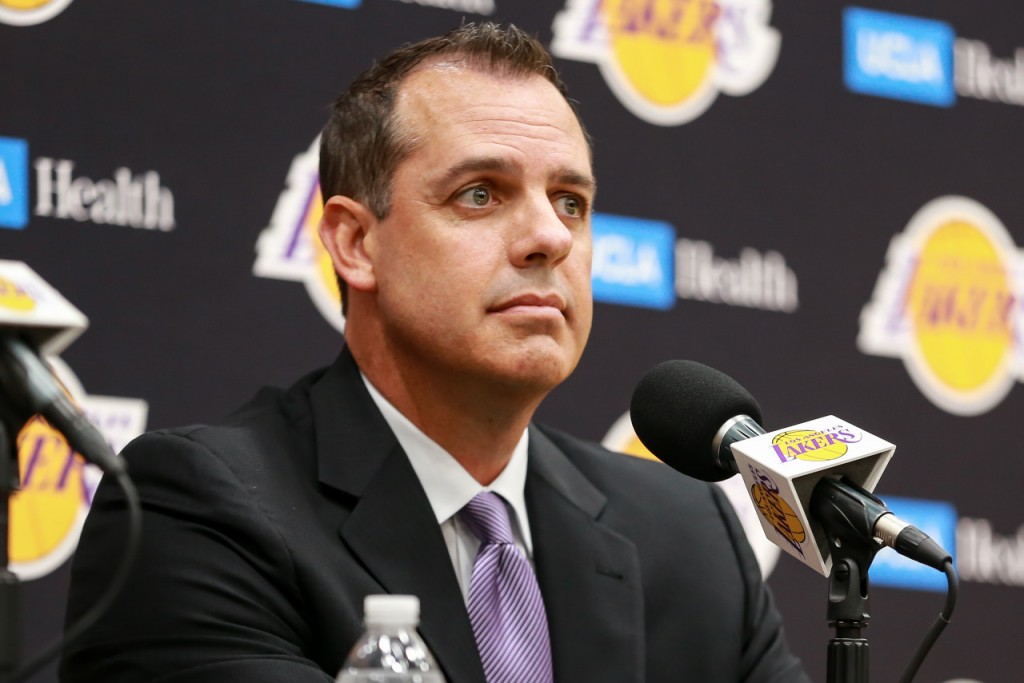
452, 75
445, 92
438, 82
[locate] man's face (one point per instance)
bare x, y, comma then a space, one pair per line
482, 265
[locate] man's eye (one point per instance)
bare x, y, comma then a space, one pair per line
476, 196
571, 206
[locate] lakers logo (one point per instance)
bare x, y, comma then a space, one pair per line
290, 248
811, 445
56, 485
667, 60
779, 514
14, 298
48, 510
776, 511
28, 12
949, 304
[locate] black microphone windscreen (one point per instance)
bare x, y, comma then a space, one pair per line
678, 408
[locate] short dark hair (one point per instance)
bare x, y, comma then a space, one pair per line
361, 144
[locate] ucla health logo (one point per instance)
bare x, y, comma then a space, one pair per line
28, 12
290, 248
667, 60
13, 183
900, 57
128, 199
922, 60
633, 261
949, 303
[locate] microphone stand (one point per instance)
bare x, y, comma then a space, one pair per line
847, 614
852, 552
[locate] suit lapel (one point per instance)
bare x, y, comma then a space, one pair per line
589, 575
391, 528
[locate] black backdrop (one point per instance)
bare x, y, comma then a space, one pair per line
803, 172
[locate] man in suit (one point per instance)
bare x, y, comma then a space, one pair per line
459, 188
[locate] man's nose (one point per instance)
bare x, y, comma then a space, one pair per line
541, 237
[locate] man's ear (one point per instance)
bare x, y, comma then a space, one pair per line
343, 229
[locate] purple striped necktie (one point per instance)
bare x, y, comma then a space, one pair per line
505, 606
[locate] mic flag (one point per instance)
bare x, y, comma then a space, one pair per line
31, 308
33, 316
781, 469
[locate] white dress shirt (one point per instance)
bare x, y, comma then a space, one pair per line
449, 487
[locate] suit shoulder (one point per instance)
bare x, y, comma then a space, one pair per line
271, 422
618, 473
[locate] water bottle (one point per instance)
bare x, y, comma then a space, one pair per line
390, 651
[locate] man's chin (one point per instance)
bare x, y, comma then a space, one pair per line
534, 371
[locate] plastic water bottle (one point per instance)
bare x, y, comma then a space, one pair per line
390, 651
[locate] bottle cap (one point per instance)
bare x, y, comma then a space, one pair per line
392, 609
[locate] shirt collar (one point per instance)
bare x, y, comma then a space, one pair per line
446, 482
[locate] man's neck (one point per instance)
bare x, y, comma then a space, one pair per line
478, 424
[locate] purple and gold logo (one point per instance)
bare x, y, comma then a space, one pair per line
667, 60
776, 511
57, 486
949, 303
290, 248
814, 445
13, 297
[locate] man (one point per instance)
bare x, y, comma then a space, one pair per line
459, 190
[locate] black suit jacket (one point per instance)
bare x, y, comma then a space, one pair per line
264, 533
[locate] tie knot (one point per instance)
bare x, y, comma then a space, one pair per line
487, 518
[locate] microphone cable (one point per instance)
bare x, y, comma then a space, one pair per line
941, 622
89, 618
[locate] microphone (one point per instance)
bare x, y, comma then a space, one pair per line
35, 319
802, 479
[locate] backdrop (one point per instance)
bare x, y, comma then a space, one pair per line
821, 199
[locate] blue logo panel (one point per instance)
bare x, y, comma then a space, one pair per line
347, 4
13, 183
634, 261
899, 57
935, 518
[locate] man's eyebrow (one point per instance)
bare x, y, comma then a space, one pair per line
504, 166
583, 180
475, 165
